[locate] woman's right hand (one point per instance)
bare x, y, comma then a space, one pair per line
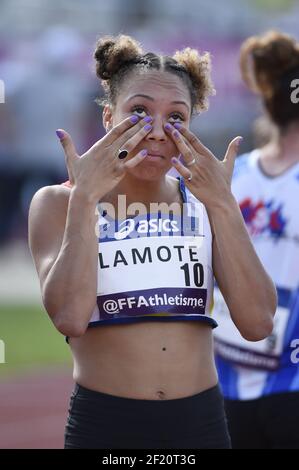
99, 169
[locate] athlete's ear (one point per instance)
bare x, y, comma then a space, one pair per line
107, 117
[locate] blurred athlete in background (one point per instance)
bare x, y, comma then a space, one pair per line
260, 380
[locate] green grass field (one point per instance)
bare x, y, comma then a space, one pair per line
30, 339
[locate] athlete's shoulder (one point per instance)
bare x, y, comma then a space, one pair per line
52, 197
54, 191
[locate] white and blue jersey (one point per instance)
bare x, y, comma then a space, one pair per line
249, 370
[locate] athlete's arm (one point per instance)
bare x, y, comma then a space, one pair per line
248, 290
63, 244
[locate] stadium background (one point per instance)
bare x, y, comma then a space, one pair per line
47, 70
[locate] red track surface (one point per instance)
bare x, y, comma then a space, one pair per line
33, 410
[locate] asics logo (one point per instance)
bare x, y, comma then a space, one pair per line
146, 226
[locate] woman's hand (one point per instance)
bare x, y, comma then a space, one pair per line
210, 178
99, 169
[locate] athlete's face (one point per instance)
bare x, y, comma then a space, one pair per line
164, 97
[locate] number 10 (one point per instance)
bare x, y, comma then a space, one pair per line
198, 274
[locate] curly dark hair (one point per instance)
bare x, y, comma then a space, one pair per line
116, 57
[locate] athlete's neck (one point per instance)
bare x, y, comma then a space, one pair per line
145, 192
282, 151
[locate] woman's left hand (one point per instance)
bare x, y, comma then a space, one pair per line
210, 178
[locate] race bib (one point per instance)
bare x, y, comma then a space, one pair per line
147, 267
230, 345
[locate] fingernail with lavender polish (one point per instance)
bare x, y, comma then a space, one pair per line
177, 125
176, 134
148, 127
59, 134
134, 119
148, 119
168, 127
143, 152
174, 160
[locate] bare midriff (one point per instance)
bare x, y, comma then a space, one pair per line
146, 360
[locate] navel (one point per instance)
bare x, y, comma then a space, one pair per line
161, 395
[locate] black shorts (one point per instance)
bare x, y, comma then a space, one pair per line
97, 420
270, 422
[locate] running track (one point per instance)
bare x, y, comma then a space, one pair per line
33, 409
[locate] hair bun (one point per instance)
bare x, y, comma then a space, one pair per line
198, 66
112, 52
